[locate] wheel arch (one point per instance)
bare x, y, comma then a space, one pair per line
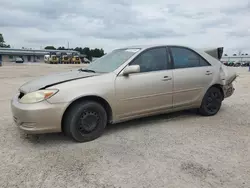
94, 98
219, 86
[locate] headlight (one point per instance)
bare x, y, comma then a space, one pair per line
37, 96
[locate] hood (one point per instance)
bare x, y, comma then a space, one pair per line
54, 79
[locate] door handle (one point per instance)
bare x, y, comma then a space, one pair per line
208, 73
166, 78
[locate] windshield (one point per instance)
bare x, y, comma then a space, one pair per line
112, 60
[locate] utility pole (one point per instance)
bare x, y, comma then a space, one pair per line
68, 45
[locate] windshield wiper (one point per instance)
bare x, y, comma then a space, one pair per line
86, 70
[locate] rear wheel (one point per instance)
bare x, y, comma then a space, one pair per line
85, 121
211, 102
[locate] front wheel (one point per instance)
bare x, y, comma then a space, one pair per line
85, 121
211, 102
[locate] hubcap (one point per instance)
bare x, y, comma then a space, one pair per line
213, 102
88, 122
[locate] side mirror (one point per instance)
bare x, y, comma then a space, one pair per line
131, 69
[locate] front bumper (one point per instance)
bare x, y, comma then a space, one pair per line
42, 117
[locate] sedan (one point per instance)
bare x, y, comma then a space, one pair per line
125, 84
19, 60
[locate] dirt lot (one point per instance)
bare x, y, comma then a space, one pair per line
176, 150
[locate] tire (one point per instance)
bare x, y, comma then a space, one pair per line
211, 102
85, 121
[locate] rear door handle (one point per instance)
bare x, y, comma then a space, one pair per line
208, 73
166, 78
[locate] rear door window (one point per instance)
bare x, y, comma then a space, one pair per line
186, 58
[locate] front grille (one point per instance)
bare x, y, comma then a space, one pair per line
21, 95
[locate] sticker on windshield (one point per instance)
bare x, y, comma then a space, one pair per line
132, 50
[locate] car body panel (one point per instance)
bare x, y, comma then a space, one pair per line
139, 97
129, 97
37, 118
190, 91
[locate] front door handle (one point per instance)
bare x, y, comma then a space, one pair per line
166, 78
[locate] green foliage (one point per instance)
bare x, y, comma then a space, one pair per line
50, 48
86, 51
2, 42
61, 48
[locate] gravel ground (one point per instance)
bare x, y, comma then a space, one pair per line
176, 150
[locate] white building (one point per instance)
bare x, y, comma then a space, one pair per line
236, 58
9, 54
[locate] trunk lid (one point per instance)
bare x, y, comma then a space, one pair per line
215, 52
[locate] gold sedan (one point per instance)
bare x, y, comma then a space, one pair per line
124, 84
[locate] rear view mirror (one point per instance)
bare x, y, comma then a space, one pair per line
131, 69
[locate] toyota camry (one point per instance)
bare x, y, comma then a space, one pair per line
125, 84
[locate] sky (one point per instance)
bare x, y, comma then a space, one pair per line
111, 24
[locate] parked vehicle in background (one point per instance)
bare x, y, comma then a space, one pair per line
231, 63
125, 84
46, 58
245, 64
85, 60
19, 60
237, 64
224, 62
75, 59
65, 58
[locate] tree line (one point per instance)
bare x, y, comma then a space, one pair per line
2, 42
96, 52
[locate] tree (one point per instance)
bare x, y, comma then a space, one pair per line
79, 49
97, 52
86, 51
234, 55
225, 55
2, 42
61, 48
50, 48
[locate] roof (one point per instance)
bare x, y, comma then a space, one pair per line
13, 51
177, 45
153, 45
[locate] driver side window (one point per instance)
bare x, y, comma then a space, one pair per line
152, 60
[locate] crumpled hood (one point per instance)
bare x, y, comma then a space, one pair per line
53, 79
